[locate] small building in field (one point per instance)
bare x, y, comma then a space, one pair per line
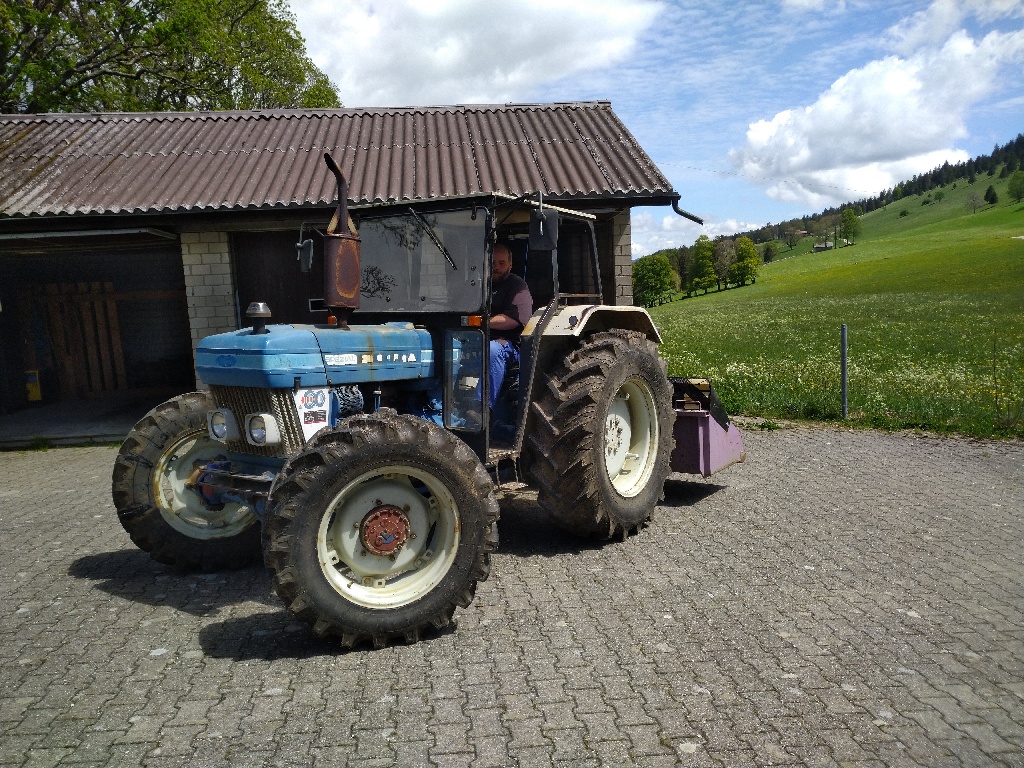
126, 238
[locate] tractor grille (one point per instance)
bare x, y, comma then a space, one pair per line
277, 402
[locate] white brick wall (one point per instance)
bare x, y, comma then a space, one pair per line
209, 287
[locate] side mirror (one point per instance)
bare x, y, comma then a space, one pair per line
543, 230
305, 251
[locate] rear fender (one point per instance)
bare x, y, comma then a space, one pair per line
585, 319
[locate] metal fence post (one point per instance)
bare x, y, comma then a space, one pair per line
845, 381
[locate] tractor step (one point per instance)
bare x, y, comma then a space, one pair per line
511, 487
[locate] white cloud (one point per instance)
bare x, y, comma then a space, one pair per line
887, 120
653, 230
928, 27
416, 52
805, 5
933, 25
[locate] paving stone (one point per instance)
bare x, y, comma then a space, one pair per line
839, 599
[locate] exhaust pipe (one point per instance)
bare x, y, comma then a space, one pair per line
342, 268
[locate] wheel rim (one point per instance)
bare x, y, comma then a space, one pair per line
631, 437
358, 555
183, 508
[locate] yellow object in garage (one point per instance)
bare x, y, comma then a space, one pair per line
33, 390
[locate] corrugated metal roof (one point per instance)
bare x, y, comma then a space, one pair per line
229, 161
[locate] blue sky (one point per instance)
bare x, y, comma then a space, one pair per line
755, 111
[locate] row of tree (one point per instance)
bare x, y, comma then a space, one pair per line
662, 276
155, 55
1003, 162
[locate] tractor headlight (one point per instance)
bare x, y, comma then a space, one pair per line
222, 425
261, 429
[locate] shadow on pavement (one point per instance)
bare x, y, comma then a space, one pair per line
132, 575
265, 637
686, 493
274, 636
525, 529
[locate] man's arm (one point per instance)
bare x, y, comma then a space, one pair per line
512, 312
502, 322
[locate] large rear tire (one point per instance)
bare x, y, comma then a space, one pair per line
380, 529
603, 435
163, 516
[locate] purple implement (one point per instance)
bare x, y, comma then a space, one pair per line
705, 440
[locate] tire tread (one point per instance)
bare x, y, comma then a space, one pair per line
566, 436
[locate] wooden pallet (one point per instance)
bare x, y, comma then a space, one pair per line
85, 337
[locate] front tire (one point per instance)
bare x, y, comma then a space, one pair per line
163, 516
603, 435
380, 529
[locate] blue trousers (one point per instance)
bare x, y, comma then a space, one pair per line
501, 354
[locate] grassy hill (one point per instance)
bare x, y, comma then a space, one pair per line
934, 304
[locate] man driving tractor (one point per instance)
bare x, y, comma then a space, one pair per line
511, 307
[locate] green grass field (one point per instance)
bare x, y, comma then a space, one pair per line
934, 304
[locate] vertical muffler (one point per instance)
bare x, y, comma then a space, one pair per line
342, 269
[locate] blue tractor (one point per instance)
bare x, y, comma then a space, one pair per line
361, 460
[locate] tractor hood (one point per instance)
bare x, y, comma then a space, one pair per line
312, 356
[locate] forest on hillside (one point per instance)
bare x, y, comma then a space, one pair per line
736, 259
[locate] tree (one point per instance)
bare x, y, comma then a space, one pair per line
748, 262
792, 238
703, 270
990, 195
676, 260
725, 257
684, 266
155, 55
850, 225
652, 279
973, 201
1015, 187
769, 252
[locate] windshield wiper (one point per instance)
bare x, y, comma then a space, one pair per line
433, 236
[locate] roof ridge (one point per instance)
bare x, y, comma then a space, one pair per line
248, 114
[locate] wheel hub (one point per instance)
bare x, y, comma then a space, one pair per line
384, 530
613, 429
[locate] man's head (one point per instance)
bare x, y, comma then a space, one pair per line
501, 263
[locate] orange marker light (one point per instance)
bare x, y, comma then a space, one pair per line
473, 321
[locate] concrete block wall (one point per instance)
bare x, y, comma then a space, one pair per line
622, 249
209, 284
434, 282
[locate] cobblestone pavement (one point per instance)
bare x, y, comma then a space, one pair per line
843, 598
